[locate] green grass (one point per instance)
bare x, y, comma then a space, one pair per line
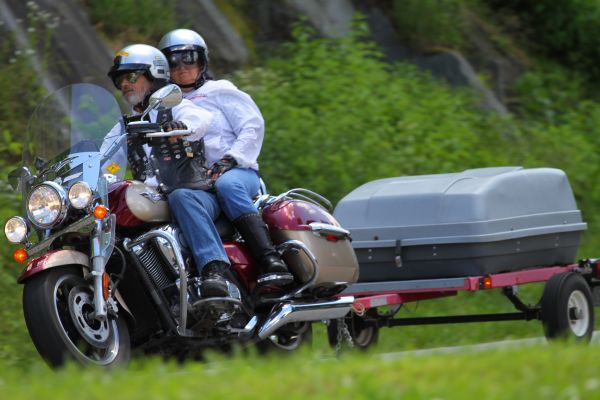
554, 371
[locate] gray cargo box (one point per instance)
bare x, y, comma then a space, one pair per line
476, 222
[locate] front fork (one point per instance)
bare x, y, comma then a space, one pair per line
102, 244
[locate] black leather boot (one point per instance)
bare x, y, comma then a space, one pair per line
256, 235
213, 283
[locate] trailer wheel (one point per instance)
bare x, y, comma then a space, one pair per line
363, 332
567, 308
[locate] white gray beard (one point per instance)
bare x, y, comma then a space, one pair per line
134, 98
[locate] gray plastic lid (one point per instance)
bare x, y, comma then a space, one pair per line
484, 202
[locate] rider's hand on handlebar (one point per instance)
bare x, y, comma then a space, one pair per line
174, 126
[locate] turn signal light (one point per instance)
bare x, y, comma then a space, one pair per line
487, 282
20, 255
100, 212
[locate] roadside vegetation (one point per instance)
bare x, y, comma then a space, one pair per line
536, 372
338, 116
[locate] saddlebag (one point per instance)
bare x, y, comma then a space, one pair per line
475, 222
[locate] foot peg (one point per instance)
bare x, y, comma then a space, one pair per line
275, 279
218, 305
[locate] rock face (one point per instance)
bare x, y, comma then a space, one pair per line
457, 71
447, 65
77, 55
503, 69
331, 18
227, 50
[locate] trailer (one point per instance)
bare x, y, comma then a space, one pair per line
566, 308
425, 237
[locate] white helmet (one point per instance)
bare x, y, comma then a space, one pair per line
184, 42
141, 57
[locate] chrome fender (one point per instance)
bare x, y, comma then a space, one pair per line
57, 258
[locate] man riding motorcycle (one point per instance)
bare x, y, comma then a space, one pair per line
138, 71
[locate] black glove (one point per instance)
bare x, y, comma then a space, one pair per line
174, 126
222, 166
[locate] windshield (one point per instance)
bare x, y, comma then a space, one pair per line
67, 131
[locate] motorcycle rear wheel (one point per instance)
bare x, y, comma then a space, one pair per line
289, 338
57, 306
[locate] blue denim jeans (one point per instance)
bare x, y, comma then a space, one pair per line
235, 190
194, 211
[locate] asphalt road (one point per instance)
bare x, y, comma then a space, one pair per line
476, 347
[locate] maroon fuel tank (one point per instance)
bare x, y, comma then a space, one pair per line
134, 203
291, 219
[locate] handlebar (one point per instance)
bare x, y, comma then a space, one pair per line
178, 132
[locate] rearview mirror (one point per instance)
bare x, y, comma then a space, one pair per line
164, 98
18, 177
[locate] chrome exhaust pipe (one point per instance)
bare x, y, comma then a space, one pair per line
286, 313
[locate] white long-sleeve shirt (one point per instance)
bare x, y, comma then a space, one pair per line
194, 117
237, 128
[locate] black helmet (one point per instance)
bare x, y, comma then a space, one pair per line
186, 40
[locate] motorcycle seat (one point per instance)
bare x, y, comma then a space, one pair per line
224, 228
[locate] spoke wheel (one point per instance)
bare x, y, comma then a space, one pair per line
288, 338
58, 309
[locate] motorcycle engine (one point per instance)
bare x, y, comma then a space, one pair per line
157, 256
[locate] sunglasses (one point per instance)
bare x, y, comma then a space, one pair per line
131, 77
189, 57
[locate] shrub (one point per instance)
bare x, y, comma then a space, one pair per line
425, 23
19, 98
133, 20
338, 116
566, 30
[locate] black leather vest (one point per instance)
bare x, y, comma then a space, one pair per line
177, 163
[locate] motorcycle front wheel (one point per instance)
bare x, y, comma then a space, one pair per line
58, 308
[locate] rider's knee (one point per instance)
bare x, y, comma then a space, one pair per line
226, 184
177, 197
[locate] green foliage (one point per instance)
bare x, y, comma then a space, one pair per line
21, 91
566, 30
426, 23
562, 129
16, 100
540, 371
133, 20
338, 116
16, 348
546, 93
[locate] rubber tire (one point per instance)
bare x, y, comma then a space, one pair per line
364, 333
267, 346
555, 303
48, 332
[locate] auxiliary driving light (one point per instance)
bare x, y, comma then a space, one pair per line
15, 230
80, 195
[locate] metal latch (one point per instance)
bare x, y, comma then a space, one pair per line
398, 253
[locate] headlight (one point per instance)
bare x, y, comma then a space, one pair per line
15, 230
80, 195
47, 205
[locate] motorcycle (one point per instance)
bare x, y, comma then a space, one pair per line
109, 273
